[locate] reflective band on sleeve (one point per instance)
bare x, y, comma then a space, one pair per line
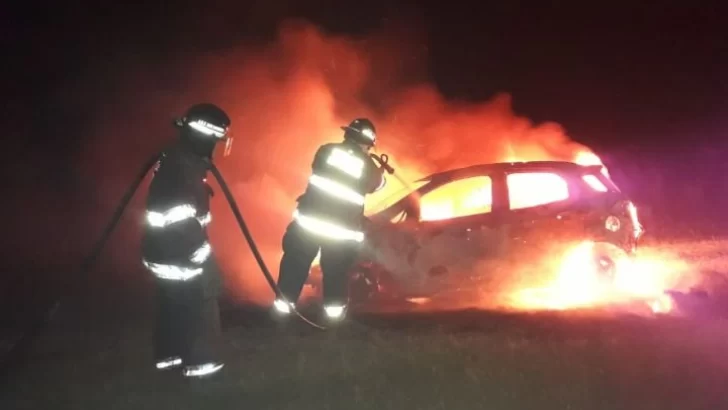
172, 272
327, 229
201, 254
346, 162
336, 189
172, 215
207, 128
205, 219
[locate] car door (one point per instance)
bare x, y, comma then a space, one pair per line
456, 229
542, 212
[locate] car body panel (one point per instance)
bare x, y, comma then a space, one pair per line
403, 246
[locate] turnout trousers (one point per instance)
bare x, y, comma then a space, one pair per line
188, 320
300, 247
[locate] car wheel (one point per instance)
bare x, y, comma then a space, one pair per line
606, 257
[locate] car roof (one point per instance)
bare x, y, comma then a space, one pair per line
563, 166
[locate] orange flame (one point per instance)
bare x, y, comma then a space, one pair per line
575, 281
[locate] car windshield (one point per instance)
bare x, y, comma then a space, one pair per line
378, 204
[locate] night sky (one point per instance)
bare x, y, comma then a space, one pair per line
606, 73
639, 78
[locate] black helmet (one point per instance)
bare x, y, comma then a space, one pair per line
206, 123
207, 119
361, 131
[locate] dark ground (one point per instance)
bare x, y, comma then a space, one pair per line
456, 360
97, 355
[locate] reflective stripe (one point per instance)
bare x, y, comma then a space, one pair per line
327, 229
170, 216
346, 162
207, 128
368, 133
336, 189
205, 219
169, 362
334, 312
176, 214
172, 272
382, 183
203, 369
201, 254
282, 306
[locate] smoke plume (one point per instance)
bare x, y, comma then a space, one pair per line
285, 100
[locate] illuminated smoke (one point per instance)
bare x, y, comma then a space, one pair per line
287, 99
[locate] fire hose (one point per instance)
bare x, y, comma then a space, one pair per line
22, 345
383, 161
253, 247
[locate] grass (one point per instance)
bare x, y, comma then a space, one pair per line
458, 360
448, 360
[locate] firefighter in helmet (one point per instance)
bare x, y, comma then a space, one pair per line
176, 249
328, 218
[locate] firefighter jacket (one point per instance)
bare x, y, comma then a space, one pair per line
175, 244
333, 204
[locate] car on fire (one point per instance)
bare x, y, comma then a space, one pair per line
429, 239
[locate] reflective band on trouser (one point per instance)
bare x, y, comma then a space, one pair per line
336, 189
201, 254
202, 370
169, 362
334, 311
282, 307
205, 219
346, 162
327, 229
170, 216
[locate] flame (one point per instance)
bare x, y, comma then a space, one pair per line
285, 100
578, 283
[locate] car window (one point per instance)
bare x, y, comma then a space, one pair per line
380, 201
463, 197
529, 189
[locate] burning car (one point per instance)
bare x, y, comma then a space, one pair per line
452, 230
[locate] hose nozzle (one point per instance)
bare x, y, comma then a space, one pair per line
383, 161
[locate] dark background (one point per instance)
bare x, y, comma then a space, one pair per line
645, 86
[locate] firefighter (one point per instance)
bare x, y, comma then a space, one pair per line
328, 218
176, 249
